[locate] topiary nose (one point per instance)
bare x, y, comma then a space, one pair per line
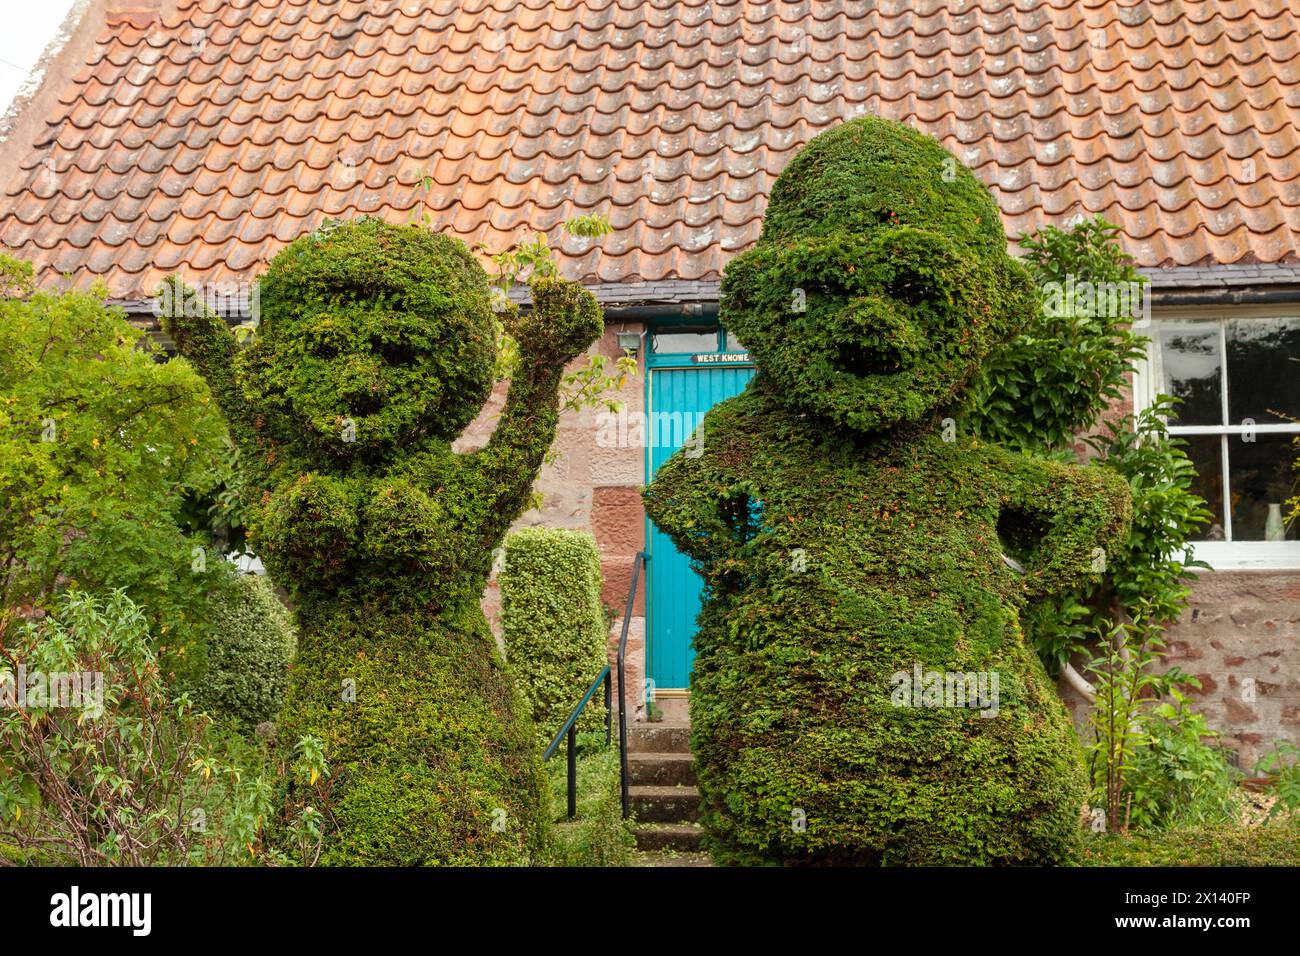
875, 336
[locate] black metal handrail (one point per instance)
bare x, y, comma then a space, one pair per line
570, 728
637, 565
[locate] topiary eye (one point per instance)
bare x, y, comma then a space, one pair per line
911, 287
395, 351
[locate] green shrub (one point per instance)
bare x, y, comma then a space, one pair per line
848, 532
598, 836
121, 773
247, 654
101, 448
1282, 766
376, 348
1057, 375
1233, 844
1179, 774
554, 624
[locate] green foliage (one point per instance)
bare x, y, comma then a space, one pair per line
847, 534
1273, 844
1060, 373
1282, 766
1153, 761
531, 262
1180, 776
554, 624
598, 835
119, 774
385, 547
101, 448
247, 654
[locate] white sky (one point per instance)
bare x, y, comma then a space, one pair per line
29, 25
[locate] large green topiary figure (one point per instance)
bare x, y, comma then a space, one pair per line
851, 540
376, 348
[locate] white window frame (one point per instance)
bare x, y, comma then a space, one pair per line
1220, 555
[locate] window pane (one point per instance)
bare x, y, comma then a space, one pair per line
1189, 355
734, 344
1263, 369
685, 338
1206, 453
1262, 479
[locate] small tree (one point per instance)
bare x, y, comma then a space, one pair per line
101, 448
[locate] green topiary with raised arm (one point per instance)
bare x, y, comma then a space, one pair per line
851, 539
375, 349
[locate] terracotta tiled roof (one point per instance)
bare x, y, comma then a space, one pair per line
206, 142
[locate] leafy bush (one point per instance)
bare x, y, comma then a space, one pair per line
1281, 766
598, 836
247, 654
376, 348
848, 533
1056, 376
554, 624
1178, 775
101, 446
111, 770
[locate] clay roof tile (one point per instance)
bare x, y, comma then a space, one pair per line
207, 142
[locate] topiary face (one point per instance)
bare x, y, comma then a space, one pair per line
373, 336
881, 280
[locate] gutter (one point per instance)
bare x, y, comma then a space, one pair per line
1226, 296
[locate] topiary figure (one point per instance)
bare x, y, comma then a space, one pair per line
376, 348
848, 536
247, 653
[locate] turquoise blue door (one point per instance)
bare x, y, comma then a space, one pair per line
679, 397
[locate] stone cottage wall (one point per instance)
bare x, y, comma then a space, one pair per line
1240, 636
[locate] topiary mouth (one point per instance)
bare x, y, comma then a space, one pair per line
856, 360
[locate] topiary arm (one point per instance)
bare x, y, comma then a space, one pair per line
700, 497
564, 320
204, 339
1059, 520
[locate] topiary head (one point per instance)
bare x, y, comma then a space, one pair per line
881, 280
373, 337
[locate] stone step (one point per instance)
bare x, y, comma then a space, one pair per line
665, 804
680, 837
660, 738
660, 770
656, 858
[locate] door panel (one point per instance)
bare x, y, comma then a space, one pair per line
674, 585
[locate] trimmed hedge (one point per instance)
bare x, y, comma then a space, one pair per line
554, 624
376, 348
247, 653
847, 533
